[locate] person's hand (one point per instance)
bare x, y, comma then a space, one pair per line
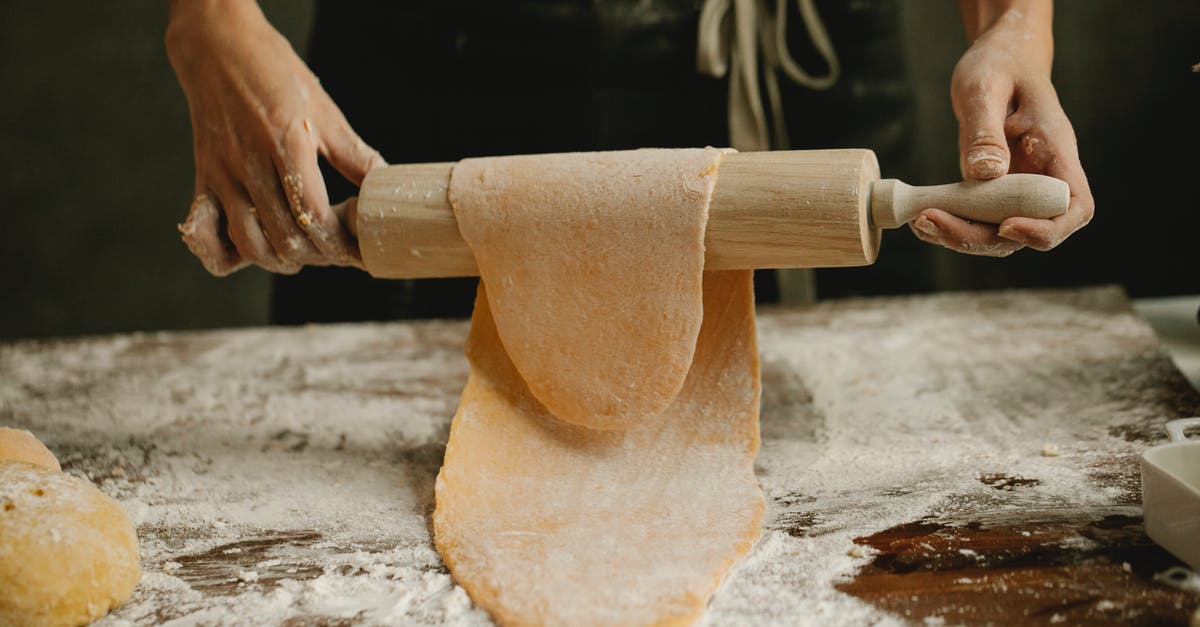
259, 120
1010, 121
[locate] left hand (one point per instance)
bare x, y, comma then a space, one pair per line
1010, 121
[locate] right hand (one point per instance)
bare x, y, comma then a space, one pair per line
1010, 120
259, 119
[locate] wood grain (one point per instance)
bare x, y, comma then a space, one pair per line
786, 209
778, 209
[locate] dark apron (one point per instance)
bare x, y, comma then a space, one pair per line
442, 80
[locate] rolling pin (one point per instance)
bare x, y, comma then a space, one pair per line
776, 209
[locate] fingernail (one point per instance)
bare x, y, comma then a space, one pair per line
1007, 232
926, 226
985, 163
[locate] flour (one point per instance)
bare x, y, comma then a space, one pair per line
307, 456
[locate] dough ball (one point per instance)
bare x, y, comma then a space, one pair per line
20, 444
68, 552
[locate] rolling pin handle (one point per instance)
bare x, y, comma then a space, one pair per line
347, 213
894, 203
889, 203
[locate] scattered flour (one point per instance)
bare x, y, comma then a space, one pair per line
288, 473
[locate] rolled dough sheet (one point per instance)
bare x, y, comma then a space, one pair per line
593, 266
540, 517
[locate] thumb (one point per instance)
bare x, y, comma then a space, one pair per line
345, 150
982, 144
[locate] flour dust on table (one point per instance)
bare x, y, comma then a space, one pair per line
285, 476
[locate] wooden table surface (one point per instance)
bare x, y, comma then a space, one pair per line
946, 459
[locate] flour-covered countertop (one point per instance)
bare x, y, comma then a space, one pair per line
954, 458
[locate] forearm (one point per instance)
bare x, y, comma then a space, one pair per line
1028, 23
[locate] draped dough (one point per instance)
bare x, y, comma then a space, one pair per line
600, 466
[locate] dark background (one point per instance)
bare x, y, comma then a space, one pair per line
96, 167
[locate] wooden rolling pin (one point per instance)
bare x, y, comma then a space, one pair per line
779, 209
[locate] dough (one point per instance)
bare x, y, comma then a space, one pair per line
593, 264
68, 552
600, 466
22, 445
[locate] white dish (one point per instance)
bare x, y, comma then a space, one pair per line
1171, 492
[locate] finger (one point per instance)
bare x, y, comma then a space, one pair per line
203, 233
1047, 234
246, 231
344, 149
981, 108
1031, 149
291, 245
1057, 156
938, 227
296, 164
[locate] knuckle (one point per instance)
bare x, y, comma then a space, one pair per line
972, 89
1039, 153
294, 249
987, 138
275, 115
291, 137
1088, 213
288, 250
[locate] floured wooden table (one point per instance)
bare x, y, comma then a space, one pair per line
959, 458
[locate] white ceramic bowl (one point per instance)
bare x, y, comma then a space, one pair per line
1171, 492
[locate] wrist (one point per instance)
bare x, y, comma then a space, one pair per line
980, 16
1021, 27
193, 24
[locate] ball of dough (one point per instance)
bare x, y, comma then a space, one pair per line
20, 444
68, 552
